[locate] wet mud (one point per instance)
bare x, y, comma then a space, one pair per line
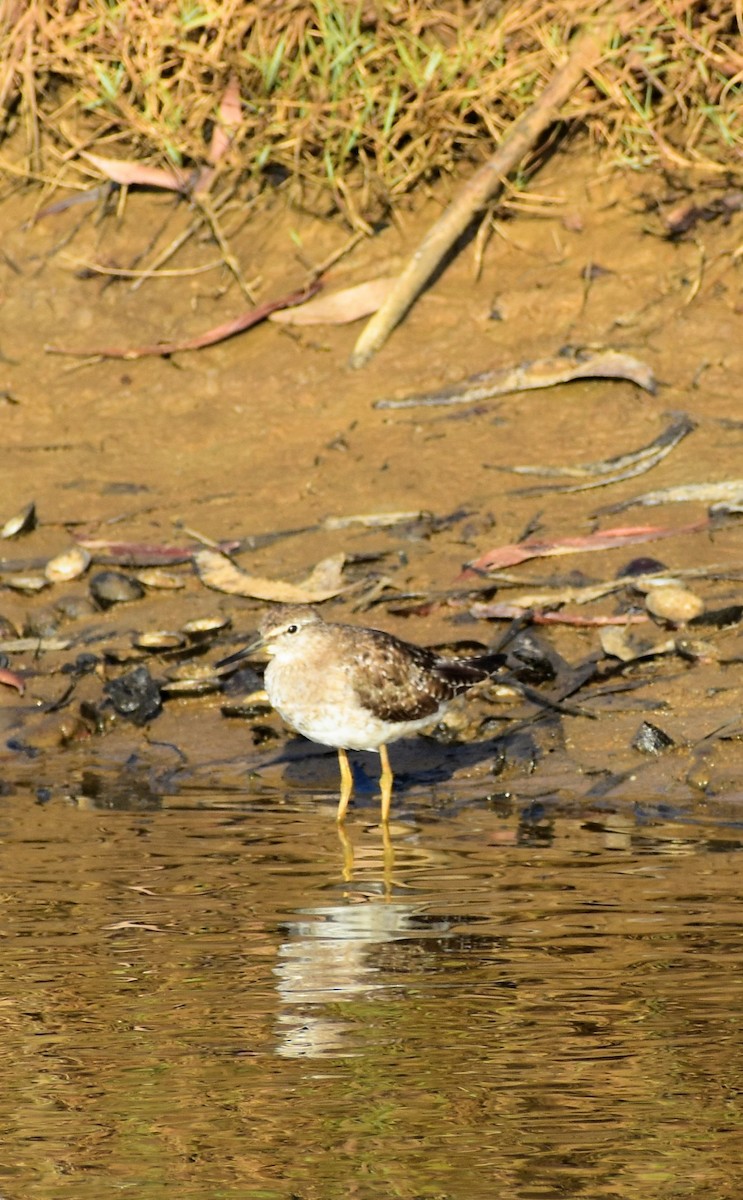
270, 442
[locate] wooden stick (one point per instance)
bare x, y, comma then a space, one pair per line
588, 47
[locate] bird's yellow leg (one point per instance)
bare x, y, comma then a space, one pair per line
385, 783
346, 785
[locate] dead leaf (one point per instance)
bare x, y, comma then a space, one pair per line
219, 572
339, 308
611, 470
223, 135
616, 644
375, 520
684, 216
518, 552
525, 377
228, 121
127, 172
34, 645
10, 678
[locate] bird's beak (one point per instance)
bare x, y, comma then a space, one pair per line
245, 652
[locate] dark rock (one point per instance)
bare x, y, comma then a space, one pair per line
649, 739
135, 696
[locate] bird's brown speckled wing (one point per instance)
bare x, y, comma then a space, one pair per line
398, 681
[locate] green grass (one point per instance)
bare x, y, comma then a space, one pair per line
369, 99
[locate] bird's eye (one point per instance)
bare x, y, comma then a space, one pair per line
292, 629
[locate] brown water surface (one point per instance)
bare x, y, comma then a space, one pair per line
529, 1002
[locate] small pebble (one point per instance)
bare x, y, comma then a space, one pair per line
650, 739
674, 604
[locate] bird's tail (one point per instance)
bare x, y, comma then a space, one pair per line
463, 673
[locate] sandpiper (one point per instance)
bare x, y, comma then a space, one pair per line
355, 688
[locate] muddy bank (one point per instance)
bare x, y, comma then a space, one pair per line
270, 433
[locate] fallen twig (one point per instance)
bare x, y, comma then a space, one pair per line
484, 185
237, 325
93, 268
230, 261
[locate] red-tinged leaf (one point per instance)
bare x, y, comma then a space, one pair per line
10, 678
127, 172
223, 135
339, 308
228, 121
606, 539
144, 554
237, 325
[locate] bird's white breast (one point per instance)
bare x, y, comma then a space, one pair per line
321, 703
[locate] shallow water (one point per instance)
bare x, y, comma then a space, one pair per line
530, 1000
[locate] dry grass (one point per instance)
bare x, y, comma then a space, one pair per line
355, 103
